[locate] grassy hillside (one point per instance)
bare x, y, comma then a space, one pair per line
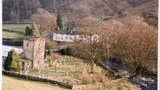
15, 27
95, 8
153, 5
10, 83
12, 35
70, 9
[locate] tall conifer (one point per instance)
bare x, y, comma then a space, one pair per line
59, 21
12, 62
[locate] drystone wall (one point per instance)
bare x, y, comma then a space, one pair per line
65, 85
34, 78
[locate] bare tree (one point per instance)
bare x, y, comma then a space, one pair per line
45, 20
136, 44
133, 43
94, 47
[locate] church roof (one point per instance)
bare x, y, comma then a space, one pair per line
25, 60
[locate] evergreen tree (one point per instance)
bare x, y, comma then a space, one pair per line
59, 21
68, 51
12, 62
27, 31
35, 31
32, 31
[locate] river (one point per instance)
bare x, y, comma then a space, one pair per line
144, 81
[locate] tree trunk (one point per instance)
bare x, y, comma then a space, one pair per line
92, 66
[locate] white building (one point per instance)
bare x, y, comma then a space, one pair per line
71, 36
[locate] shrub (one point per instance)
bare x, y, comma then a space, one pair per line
86, 79
92, 78
98, 77
66, 51
50, 44
54, 56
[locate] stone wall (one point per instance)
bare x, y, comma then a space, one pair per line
13, 42
36, 79
65, 85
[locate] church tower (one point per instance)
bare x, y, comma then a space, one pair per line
34, 50
34, 46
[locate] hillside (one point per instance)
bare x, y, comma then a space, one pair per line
104, 8
149, 11
73, 9
152, 5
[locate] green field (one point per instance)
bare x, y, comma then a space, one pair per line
12, 35
10, 83
16, 27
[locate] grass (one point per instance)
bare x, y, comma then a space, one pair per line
145, 7
15, 27
119, 84
69, 70
74, 76
12, 35
10, 83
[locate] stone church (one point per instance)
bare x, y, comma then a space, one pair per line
33, 53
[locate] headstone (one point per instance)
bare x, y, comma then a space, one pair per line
48, 77
25, 72
43, 75
67, 73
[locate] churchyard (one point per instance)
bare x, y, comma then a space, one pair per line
76, 72
65, 69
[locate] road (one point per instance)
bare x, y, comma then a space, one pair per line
6, 49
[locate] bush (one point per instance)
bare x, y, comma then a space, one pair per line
54, 56
92, 78
98, 77
86, 79
66, 51
50, 44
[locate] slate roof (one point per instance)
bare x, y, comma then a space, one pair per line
69, 32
